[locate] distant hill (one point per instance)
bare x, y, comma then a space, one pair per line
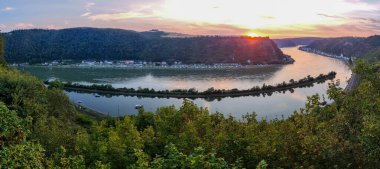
348, 46
373, 56
292, 42
2, 60
38, 45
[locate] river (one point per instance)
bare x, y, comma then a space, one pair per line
278, 105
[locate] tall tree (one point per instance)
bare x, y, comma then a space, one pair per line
2, 59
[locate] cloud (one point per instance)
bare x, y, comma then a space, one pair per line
348, 29
214, 29
286, 18
86, 14
369, 20
353, 18
2, 26
119, 16
89, 5
330, 16
24, 25
123, 10
357, 23
53, 27
268, 17
363, 1
8, 8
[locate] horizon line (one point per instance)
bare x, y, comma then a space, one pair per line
184, 34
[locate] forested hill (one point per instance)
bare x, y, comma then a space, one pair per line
292, 42
2, 60
38, 45
348, 46
373, 56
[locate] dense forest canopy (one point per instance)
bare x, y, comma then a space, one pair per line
348, 46
2, 59
373, 56
292, 42
37, 46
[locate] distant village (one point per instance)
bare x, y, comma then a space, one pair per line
341, 56
139, 64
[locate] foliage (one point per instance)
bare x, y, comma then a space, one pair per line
34, 120
292, 42
25, 155
262, 165
40, 127
60, 159
2, 59
56, 85
175, 159
373, 56
348, 46
15, 151
11, 131
38, 46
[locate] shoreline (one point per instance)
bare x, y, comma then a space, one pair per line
255, 91
317, 52
216, 66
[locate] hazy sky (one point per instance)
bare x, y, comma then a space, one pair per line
275, 18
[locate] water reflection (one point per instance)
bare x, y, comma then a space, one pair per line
161, 79
269, 107
276, 105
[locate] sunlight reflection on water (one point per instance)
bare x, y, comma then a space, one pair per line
266, 107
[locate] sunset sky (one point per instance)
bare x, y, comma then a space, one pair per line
274, 18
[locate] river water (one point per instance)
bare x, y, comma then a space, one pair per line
278, 105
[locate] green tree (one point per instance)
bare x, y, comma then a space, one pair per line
25, 155
199, 159
11, 129
2, 58
15, 151
61, 159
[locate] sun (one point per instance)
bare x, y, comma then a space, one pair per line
252, 34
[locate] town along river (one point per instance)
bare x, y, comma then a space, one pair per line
278, 105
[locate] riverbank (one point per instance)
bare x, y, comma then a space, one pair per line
193, 93
310, 50
354, 77
151, 67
